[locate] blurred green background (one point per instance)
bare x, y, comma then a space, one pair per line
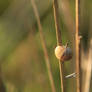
22, 63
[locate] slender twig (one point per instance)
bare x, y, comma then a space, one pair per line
56, 14
77, 39
59, 41
44, 46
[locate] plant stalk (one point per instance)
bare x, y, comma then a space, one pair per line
77, 40
44, 46
59, 41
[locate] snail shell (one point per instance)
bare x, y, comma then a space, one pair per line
63, 53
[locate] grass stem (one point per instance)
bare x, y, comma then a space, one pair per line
77, 40
44, 46
59, 41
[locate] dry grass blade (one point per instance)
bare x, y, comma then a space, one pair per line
77, 39
56, 14
44, 46
88, 63
59, 41
88, 69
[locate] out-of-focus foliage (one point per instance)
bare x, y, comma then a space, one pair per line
4, 5
21, 55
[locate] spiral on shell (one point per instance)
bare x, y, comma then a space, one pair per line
63, 53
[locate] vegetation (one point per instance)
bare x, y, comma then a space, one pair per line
30, 30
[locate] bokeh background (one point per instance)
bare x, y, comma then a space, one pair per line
22, 63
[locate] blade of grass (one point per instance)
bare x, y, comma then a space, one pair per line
88, 65
59, 41
44, 46
88, 69
77, 40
